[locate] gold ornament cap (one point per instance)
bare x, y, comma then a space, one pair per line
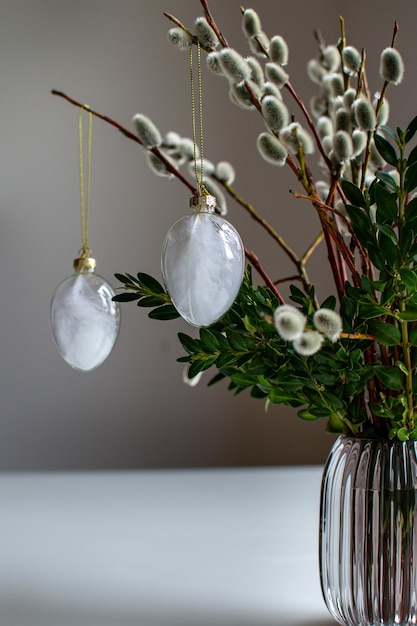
203, 203
85, 263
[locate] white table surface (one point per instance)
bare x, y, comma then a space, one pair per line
161, 548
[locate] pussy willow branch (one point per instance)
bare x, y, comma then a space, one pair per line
252, 258
170, 167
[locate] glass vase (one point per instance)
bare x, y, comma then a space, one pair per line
368, 532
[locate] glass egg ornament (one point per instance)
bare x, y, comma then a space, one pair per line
84, 320
203, 262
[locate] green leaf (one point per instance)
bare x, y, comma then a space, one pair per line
411, 130
410, 181
226, 360
353, 194
387, 179
280, 397
410, 314
388, 131
386, 150
208, 341
189, 344
361, 223
164, 312
387, 209
389, 232
238, 341
150, 283
369, 311
389, 376
412, 157
385, 333
329, 303
122, 278
411, 210
409, 279
126, 297
306, 414
413, 337
150, 301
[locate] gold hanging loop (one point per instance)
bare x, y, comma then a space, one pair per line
85, 262
199, 176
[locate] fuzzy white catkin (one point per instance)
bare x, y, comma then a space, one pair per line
383, 114
316, 72
147, 132
172, 139
294, 137
259, 44
375, 160
343, 120
243, 97
391, 66
359, 139
208, 167
205, 33
269, 89
187, 149
329, 323
324, 126
276, 74
256, 71
330, 58
351, 60
234, 65
335, 82
271, 149
278, 50
251, 23
349, 97
308, 343
157, 166
322, 189
289, 322
225, 172
179, 38
342, 146
364, 114
275, 113
212, 61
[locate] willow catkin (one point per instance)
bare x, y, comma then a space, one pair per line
147, 132
271, 149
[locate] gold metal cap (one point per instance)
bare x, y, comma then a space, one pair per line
203, 204
84, 265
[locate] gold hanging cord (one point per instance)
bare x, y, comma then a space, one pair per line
199, 176
85, 195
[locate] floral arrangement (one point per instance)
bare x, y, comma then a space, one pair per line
350, 359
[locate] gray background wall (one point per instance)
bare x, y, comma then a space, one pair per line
134, 411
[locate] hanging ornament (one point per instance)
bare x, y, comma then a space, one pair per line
84, 319
202, 263
202, 255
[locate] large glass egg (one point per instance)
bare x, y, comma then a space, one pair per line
85, 321
202, 264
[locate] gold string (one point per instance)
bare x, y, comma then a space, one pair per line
85, 197
199, 177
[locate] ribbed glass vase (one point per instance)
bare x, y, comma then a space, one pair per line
368, 532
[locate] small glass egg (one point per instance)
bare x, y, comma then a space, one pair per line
203, 262
84, 320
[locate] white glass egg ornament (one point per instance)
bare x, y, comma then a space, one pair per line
84, 320
203, 262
